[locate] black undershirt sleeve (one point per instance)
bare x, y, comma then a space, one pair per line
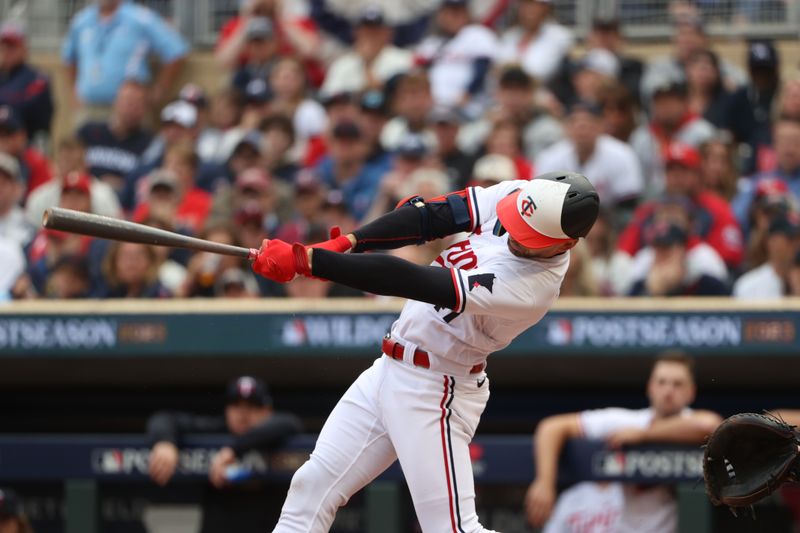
414, 225
387, 276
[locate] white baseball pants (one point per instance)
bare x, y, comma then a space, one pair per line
395, 411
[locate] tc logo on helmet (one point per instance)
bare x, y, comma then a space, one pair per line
528, 206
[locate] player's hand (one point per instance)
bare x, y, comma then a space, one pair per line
221, 461
163, 462
539, 502
280, 261
625, 437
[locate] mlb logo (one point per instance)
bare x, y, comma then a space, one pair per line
559, 332
294, 333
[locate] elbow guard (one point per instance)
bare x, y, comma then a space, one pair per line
424, 216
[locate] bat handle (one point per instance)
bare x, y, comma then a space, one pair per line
253, 255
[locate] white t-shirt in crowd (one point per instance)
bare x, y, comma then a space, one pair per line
453, 60
613, 167
349, 72
541, 56
761, 282
587, 507
649, 509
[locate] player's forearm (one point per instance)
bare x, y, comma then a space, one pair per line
414, 225
386, 275
682, 429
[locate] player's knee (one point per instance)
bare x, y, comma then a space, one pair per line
312, 483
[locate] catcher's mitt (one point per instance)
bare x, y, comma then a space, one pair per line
748, 457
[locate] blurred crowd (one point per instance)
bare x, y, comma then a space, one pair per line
329, 116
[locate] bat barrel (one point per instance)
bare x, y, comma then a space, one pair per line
103, 227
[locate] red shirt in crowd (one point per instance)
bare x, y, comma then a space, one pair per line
39, 171
714, 224
191, 213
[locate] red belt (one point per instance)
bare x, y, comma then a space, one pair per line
421, 358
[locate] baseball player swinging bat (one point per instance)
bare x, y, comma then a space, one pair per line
103, 227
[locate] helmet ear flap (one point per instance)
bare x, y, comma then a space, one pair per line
498, 230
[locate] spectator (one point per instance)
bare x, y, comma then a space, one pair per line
69, 279
103, 49
671, 270
411, 103
252, 186
591, 73
712, 218
458, 57
538, 44
309, 203
236, 283
193, 204
22, 86
252, 425
345, 168
607, 35
771, 280
491, 169
458, 164
709, 98
515, 100
720, 174
205, 269
755, 101
261, 52
772, 199
600, 243
34, 169
670, 390
671, 120
372, 59
620, 112
291, 98
587, 506
70, 159
12, 516
14, 227
278, 136
295, 35
505, 138
611, 163
114, 147
131, 271
688, 37
579, 280
257, 104
372, 118
218, 139
786, 135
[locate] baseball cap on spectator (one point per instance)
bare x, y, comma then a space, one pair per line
495, 167
785, 225
347, 130
371, 16
194, 94
665, 233
771, 187
669, 86
413, 146
10, 120
514, 77
340, 97
9, 166
373, 101
454, 3
259, 28
162, 179
254, 179
9, 504
230, 278
249, 389
12, 32
762, 54
257, 91
251, 212
181, 113
605, 24
77, 181
251, 139
307, 182
335, 200
587, 107
600, 61
683, 155
444, 115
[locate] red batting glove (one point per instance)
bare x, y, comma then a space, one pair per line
277, 260
337, 243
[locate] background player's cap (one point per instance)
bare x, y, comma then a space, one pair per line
249, 389
550, 209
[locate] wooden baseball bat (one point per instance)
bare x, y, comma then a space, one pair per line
122, 230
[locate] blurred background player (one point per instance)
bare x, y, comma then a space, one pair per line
12, 517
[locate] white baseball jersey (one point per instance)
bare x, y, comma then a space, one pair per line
498, 294
453, 59
650, 509
613, 167
587, 507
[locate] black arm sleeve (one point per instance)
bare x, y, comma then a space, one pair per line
387, 275
410, 224
170, 426
271, 434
